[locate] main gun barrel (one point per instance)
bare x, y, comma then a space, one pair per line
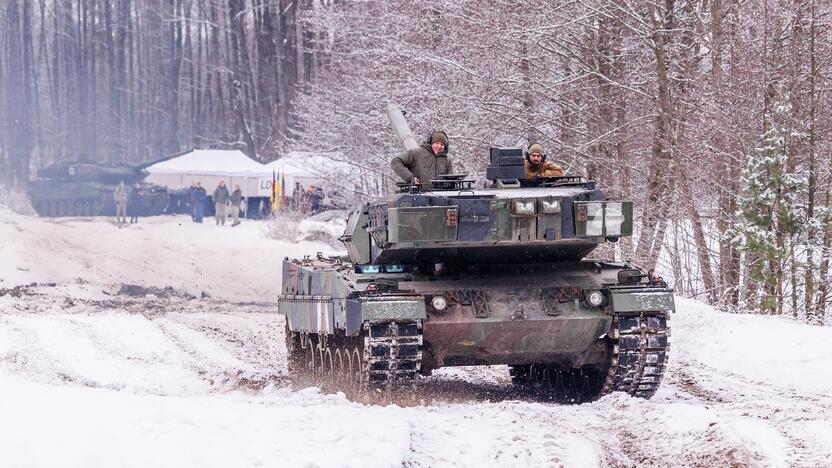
396, 116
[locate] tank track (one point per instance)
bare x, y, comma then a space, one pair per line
61, 208
639, 352
638, 346
392, 350
386, 353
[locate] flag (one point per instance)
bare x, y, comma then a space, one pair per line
273, 197
283, 191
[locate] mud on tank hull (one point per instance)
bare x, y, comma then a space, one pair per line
535, 318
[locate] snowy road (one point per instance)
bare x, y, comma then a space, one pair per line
93, 376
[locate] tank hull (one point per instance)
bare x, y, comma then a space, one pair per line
527, 316
65, 198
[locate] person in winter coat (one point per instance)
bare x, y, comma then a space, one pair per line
199, 202
427, 162
236, 200
192, 200
537, 166
120, 197
221, 196
135, 203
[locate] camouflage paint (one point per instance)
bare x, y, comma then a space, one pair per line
531, 309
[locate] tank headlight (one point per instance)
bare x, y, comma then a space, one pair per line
439, 303
595, 298
550, 206
524, 207
595, 218
614, 218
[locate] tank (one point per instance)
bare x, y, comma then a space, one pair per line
460, 275
77, 188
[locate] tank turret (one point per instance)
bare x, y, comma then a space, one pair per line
75, 171
510, 221
451, 274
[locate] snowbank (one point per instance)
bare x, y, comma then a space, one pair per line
760, 350
239, 263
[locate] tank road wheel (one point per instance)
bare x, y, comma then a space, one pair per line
41, 207
51, 208
590, 383
536, 375
294, 353
328, 365
78, 208
359, 377
569, 390
349, 376
311, 360
87, 208
61, 207
340, 372
321, 373
97, 207
546, 378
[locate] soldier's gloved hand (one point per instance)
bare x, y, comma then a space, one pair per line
415, 180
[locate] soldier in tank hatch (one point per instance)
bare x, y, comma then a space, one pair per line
427, 162
537, 166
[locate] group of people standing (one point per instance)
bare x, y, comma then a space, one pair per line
129, 202
309, 200
221, 198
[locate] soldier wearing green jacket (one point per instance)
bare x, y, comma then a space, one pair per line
427, 162
221, 197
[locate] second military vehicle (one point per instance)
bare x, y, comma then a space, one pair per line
78, 188
456, 276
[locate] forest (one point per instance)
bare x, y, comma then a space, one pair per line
711, 115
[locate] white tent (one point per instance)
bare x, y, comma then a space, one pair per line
208, 162
255, 179
209, 166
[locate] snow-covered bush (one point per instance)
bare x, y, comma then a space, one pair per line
284, 225
324, 227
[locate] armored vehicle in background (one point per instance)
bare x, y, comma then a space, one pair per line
86, 189
453, 275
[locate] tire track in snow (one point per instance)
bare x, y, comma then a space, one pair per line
238, 354
783, 409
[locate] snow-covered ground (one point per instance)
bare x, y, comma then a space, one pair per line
95, 373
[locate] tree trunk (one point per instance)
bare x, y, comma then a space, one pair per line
19, 132
658, 198
809, 278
